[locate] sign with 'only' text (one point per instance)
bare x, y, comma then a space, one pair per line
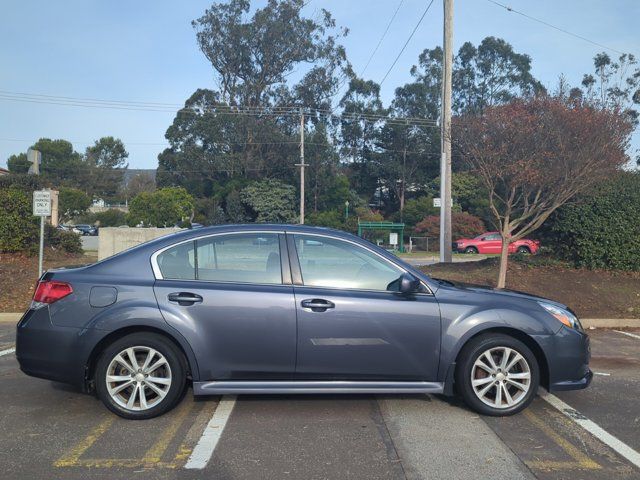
42, 203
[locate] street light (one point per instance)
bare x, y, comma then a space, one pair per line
346, 209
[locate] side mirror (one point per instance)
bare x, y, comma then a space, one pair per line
408, 284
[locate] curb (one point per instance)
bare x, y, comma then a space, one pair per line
10, 317
610, 322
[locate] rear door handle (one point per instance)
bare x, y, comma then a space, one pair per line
317, 304
185, 298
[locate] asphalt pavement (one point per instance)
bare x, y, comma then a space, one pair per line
50, 431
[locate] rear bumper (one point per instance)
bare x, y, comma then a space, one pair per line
48, 351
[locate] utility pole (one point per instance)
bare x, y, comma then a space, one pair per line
301, 165
445, 162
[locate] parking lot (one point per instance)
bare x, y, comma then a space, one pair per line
50, 431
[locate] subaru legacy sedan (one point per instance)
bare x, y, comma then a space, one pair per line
290, 309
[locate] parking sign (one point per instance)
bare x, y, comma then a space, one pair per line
42, 203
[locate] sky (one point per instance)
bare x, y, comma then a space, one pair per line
146, 51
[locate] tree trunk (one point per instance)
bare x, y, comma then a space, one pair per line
504, 256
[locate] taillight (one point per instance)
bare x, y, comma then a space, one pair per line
51, 291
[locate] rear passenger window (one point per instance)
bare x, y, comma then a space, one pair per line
242, 258
178, 263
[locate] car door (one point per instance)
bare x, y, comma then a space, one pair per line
491, 243
351, 325
230, 295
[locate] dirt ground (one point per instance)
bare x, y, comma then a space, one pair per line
590, 293
19, 273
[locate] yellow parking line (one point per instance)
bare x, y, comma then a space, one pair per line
152, 457
72, 457
154, 454
581, 459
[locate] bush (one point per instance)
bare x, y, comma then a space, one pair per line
602, 230
463, 225
330, 218
18, 227
63, 240
110, 218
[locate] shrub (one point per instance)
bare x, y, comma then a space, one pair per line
110, 218
603, 229
463, 225
63, 240
330, 218
18, 226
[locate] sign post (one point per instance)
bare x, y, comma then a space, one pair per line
42, 209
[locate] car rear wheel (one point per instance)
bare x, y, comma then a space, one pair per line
471, 250
497, 375
141, 376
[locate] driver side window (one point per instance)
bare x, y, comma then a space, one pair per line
328, 262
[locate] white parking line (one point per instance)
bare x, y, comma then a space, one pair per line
7, 351
213, 431
628, 334
594, 429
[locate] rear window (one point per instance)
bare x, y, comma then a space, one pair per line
178, 263
238, 258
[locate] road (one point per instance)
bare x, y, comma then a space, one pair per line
50, 431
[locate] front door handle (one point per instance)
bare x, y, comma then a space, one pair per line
317, 304
185, 298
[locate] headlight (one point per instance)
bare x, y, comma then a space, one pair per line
562, 315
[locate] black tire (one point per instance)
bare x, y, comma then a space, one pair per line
464, 368
174, 357
524, 250
473, 250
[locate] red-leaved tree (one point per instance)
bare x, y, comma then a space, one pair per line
535, 155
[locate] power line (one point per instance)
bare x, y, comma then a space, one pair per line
509, 9
407, 42
384, 34
278, 111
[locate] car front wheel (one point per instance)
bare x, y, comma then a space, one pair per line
497, 375
141, 376
471, 250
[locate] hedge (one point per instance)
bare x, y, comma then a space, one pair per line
603, 229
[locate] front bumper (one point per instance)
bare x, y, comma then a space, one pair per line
572, 384
568, 353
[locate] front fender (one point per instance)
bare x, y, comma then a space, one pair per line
457, 331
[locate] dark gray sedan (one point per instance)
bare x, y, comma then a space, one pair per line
290, 309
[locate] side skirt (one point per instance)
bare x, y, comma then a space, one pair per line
290, 387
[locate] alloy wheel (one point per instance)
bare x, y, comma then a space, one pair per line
138, 378
501, 377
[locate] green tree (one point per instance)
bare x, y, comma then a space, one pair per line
165, 207
490, 74
106, 161
18, 163
360, 136
61, 164
72, 203
252, 56
271, 201
615, 84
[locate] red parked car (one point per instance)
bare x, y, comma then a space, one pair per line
491, 242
